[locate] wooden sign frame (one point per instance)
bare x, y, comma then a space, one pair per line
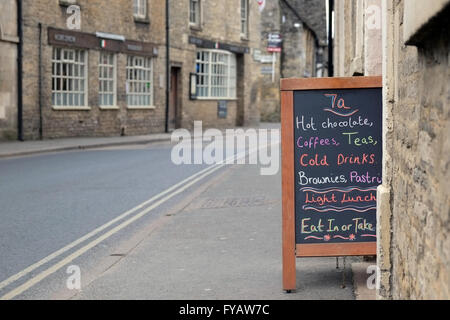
291, 250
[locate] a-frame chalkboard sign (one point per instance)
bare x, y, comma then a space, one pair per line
331, 167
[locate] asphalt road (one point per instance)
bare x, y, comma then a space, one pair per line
49, 201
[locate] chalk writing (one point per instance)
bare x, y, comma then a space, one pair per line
314, 142
339, 105
305, 126
338, 164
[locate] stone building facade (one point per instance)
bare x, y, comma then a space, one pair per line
357, 42
100, 68
212, 64
270, 85
302, 25
93, 69
304, 29
9, 41
412, 53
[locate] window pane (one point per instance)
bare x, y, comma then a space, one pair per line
244, 16
139, 74
107, 82
194, 11
216, 78
67, 81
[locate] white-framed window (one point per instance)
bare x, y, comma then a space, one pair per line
216, 74
69, 78
244, 18
195, 12
107, 79
140, 9
139, 81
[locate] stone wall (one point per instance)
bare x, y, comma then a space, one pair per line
357, 42
270, 87
302, 25
8, 70
313, 14
220, 23
418, 177
304, 31
413, 207
299, 54
115, 17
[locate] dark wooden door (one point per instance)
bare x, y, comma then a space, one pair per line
173, 104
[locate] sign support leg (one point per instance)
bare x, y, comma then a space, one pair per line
274, 60
343, 276
288, 217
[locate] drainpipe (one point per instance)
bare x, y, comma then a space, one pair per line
19, 72
330, 38
167, 65
41, 136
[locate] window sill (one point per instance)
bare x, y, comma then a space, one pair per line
141, 20
244, 38
71, 108
215, 99
109, 108
141, 107
195, 27
66, 3
7, 38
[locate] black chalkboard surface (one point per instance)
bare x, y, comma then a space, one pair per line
337, 164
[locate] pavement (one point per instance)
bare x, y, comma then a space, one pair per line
17, 148
361, 273
223, 242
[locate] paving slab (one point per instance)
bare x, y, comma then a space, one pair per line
361, 276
